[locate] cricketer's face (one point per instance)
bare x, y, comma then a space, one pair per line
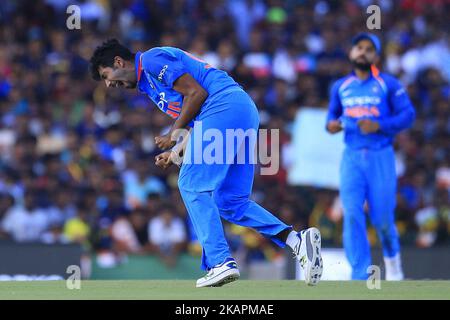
122, 74
363, 54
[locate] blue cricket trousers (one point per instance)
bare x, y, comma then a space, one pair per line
214, 190
368, 175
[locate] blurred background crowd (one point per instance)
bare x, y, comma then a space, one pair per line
77, 161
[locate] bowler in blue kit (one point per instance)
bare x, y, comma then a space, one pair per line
206, 100
371, 107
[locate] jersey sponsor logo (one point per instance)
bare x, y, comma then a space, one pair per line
361, 100
161, 73
362, 111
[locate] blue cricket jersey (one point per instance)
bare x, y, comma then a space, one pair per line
158, 68
380, 97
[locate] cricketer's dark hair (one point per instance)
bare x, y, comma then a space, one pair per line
104, 56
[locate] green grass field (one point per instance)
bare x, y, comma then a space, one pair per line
244, 289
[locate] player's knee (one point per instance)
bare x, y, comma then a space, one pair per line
226, 202
223, 201
354, 218
384, 228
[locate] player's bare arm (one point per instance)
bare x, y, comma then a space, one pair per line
193, 98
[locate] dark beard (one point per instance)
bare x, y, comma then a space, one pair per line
363, 66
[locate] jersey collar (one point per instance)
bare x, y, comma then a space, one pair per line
138, 65
138, 68
374, 74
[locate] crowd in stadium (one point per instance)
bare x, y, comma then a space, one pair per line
77, 162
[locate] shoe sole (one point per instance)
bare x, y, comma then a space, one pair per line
221, 279
226, 280
314, 266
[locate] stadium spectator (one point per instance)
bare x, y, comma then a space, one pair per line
77, 229
167, 234
6, 202
25, 223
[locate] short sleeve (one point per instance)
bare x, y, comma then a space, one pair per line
163, 66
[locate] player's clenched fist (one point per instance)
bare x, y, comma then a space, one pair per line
368, 126
165, 142
334, 126
164, 160
167, 158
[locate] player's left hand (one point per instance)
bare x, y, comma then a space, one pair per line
165, 160
165, 142
368, 126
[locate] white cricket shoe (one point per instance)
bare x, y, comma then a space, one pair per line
394, 271
307, 252
220, 274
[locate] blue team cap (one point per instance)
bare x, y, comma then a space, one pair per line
369, 36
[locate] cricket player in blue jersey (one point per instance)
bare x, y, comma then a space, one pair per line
197, 95
371, 107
